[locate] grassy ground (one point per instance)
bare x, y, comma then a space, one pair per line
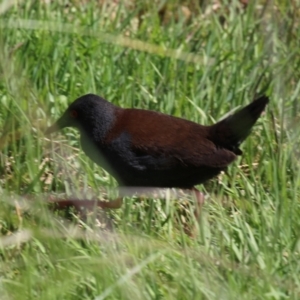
197, 65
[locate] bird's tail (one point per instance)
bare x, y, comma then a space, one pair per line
233, 130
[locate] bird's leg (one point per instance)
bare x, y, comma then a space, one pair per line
199, 202
191, 230
115, 204
85, 204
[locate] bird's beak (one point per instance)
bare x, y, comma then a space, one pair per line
51, 129
59, 124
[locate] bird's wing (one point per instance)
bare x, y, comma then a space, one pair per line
159, 141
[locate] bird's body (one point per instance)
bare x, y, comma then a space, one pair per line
150, 149
143, 148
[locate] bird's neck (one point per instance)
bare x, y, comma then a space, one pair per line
99, 123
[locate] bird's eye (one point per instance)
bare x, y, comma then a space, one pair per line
73, 114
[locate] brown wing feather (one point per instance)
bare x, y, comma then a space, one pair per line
163, 135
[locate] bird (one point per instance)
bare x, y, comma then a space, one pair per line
144, 148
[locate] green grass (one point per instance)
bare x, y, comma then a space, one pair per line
248, 240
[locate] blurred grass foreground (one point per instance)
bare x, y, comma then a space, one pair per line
192, 59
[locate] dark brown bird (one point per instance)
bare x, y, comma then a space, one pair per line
143, 148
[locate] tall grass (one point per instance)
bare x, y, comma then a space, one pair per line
197, 67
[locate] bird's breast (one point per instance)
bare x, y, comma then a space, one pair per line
116, 157
94, 150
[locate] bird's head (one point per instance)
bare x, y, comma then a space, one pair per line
87, 113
